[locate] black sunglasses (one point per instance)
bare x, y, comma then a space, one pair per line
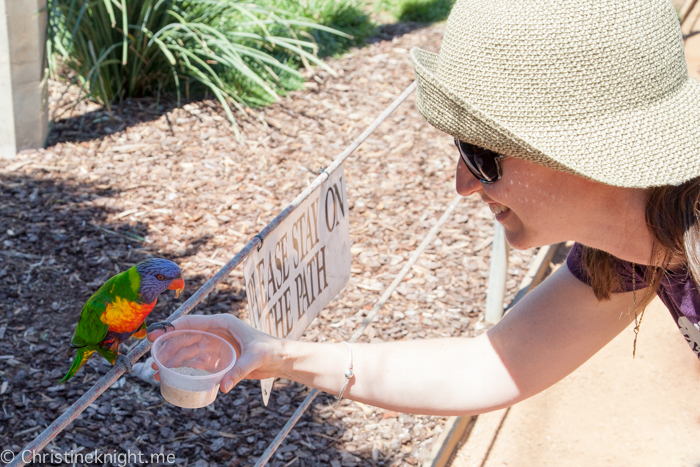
485, 165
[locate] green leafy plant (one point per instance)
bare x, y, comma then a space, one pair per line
425, 11
419, 11
133, 48
348, 16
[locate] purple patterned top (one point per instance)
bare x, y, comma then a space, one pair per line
677, 291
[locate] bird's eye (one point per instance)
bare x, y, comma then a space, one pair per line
160, 277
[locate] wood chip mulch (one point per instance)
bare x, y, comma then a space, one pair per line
156, 180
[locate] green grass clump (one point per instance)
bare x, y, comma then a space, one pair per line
347, 16
243, 53
419, 11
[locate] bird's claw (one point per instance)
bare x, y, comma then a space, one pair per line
164, 325
125, 362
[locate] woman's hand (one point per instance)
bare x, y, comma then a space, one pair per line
258, 354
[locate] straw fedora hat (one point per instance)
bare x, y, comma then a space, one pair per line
598, 88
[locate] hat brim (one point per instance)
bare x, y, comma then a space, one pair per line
654, 145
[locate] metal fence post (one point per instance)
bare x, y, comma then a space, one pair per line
497, 275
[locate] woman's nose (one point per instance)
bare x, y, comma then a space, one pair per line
465, 182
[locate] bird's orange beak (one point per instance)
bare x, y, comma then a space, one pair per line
178, 285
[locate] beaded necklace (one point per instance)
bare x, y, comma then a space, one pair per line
638, 323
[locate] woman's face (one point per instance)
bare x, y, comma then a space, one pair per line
536, 205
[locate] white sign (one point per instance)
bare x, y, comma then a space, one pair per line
302, 265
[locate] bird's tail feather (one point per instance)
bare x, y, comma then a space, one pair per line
80, 358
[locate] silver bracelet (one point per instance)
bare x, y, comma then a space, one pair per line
348, 374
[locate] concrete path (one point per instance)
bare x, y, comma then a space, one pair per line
613, 411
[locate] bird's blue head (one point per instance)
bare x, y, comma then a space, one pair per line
157, 276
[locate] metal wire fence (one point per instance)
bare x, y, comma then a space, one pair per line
496, 296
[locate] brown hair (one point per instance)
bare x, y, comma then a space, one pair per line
673, 215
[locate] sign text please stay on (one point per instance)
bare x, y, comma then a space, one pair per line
302, 264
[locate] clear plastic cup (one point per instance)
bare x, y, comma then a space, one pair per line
191, 365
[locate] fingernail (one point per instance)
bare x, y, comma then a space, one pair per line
228, 385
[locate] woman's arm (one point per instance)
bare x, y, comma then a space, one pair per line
551, 332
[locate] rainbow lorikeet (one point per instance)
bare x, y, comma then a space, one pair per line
117, 311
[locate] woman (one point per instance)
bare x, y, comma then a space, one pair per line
575, 121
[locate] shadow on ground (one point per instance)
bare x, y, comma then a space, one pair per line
101, 122
387, 32
56, 248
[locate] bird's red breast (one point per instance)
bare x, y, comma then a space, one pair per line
125, 316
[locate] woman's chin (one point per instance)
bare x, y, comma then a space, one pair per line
522, 241
518, 238
517, 235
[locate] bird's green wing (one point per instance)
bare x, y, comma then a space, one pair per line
91, 330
